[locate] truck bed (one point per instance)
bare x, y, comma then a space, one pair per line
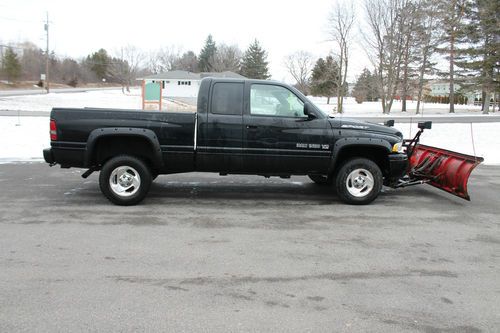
174, 130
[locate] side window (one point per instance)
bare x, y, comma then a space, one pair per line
227, 98
270, 100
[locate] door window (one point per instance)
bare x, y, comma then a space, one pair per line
270, 100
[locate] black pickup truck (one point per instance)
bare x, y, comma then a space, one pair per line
240, 127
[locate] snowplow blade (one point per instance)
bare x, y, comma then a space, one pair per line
444, 169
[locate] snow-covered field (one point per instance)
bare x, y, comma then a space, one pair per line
132, 100
372, 109
96, 98
23, 139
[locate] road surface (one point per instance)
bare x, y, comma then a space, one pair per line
241, 253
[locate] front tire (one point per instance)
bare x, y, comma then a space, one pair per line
359, 181
125, 180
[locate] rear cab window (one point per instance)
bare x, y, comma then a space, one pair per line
227, 98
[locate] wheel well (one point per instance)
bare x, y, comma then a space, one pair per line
374, 153
110, 146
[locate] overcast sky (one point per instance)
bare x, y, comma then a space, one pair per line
81, 27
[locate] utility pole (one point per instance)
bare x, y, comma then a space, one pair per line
47, 82
1, 57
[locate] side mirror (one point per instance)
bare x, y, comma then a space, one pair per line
389, 123
425, 125
308, 111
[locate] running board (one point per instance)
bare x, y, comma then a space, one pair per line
443, 169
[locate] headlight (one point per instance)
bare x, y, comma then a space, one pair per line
398, 147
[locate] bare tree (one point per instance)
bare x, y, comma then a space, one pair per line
407, 28
384, 45
299, 65
340, 24
427, 38
163, 59
226, 58
451, 16
125, 65
187, 62
32, 61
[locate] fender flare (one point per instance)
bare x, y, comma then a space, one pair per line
147, 134
343, 143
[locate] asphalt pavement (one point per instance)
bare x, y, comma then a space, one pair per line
205, 253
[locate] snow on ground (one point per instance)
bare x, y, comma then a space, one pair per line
458, 137
372, 109
23, 138
96, 98
132, 100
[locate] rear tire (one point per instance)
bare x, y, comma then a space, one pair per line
321, 180
359, 181
125, 180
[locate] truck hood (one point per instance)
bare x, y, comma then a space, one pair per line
353, 124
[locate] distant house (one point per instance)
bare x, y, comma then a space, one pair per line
441, 88
183, 83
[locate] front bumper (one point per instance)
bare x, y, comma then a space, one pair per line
398, 165
48, 156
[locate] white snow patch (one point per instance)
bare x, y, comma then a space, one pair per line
374, 109
23, 138
97, 98
458, 137
94, 98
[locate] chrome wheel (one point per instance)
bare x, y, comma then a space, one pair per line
360, 183
124, 181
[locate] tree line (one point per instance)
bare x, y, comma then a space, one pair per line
26, 62
407, 38
405, 41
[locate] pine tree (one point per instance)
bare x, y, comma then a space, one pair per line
207, 54
365, 88
99, 63
11, 66
323, 78
187, 62
254, 64
479, 58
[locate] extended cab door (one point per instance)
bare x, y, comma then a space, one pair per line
219, 145
279, 137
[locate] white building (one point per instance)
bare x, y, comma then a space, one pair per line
441, 88
184, 83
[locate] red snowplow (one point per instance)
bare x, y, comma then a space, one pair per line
443, 169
